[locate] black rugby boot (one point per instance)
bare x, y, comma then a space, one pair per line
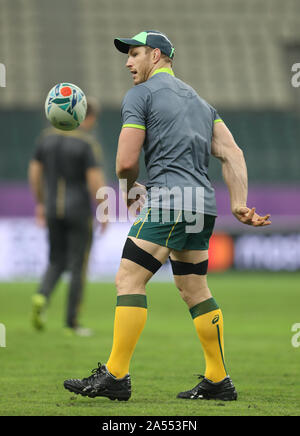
207, 390
101, 384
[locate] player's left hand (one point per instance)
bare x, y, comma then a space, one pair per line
250, 217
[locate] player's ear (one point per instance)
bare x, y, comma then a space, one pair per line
156, 55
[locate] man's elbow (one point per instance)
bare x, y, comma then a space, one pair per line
235, 154
240, 153
125, 167
35, 170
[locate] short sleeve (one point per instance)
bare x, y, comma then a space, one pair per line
92, 155
135, 107
217, 118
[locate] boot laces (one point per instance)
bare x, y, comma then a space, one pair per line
95, 372
200, 376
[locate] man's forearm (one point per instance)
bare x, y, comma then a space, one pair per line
235, 176
130, 175
95, 180
36, 182
37, 191
130, 143
39, 194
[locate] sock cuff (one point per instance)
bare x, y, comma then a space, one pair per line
133, 300
204, 307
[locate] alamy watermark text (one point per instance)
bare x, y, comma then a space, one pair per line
295, 80
296, 336
2, 335
2, 76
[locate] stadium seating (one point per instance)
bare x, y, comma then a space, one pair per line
232, 52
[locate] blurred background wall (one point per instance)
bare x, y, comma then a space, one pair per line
238, 55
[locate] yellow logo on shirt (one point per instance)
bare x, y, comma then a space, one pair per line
137, 221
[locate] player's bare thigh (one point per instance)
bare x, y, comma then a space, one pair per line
132, 278
193, 287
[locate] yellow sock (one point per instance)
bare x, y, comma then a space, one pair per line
130, 319
208, 321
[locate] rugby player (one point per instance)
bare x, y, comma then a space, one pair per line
178, 131
65, 174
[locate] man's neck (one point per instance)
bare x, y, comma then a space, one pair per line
166, 69
162, 68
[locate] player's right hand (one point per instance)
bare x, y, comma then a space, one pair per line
135, 198
250, 217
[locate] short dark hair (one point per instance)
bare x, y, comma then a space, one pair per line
166, 58
93, 107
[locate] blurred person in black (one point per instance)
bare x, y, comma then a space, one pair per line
65, 174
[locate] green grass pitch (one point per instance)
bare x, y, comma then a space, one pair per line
259, 311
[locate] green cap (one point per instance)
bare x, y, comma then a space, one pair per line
150, 38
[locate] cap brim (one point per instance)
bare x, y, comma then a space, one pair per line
124, 44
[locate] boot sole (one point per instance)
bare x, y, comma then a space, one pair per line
112, 397
221, 397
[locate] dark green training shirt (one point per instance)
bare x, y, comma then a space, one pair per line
65, 157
